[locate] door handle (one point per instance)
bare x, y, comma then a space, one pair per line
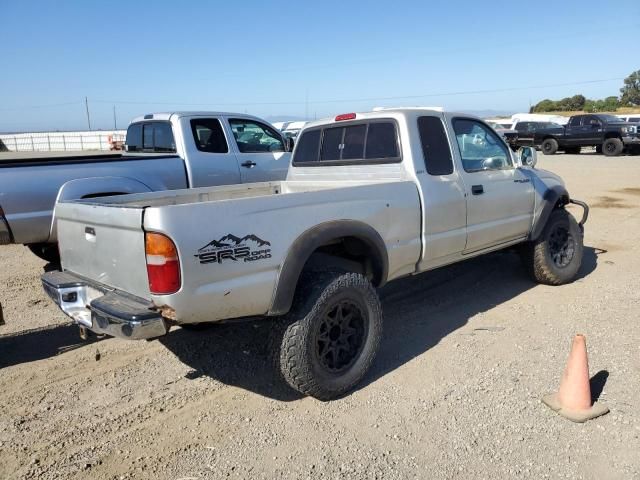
519, 180
477, 189
248, 164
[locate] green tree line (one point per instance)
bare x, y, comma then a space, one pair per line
629, 97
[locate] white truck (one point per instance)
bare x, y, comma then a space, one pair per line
369, 198
165, 151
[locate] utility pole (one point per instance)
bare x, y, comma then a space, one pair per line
115, 121
86, 104
306, 104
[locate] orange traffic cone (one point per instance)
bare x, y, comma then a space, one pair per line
573, 400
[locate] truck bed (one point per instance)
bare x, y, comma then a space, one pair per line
31, 159
102, 239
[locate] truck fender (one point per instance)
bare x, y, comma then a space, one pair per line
307, 243
94, 187
552, 198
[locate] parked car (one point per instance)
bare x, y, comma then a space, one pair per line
369, 198
527, 129
509, 135
607, 133
633, 118
165, 151
290, 129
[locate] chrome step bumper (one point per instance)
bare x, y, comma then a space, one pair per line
103, 310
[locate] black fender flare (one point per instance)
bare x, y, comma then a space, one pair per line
550, 199
313, 238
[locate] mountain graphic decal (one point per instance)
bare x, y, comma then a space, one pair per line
231, 240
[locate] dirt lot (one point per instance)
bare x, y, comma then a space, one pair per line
455, 392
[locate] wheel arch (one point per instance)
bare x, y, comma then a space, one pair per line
350, 244
609, 135
553, 198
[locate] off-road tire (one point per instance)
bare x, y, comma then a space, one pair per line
538, 256
612, 147
549, 146
46, 251
572, 150
298, 358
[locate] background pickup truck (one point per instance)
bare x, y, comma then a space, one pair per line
165, 151
369, 198
609, 134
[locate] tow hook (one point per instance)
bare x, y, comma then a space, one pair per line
585, 212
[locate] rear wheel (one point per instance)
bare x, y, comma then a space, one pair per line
555, 258
46, 251
331, 335
612, 147
549, 146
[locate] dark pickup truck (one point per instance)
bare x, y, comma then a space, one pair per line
609, 134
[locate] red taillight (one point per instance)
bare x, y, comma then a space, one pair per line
345, 116
163, 265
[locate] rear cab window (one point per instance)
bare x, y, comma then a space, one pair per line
150, 137
208, 135
364, 141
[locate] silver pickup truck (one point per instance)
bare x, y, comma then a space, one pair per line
165, 151
369, 198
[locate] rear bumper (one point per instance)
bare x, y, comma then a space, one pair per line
103, 310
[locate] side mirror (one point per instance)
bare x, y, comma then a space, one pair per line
289, 143
527, 156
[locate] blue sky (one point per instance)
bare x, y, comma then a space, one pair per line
276, 59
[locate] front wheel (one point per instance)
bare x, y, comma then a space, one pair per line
612, 147
332, 334
555, 258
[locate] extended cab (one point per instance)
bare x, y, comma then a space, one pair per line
370, 197
165, 151
609, 134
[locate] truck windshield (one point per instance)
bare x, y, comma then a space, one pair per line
154, 137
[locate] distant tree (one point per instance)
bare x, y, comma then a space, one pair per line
609, 104
545, 105
631, 90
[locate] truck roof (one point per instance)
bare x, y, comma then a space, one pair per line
386, 113
166, 116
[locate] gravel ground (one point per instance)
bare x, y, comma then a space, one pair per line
454, 393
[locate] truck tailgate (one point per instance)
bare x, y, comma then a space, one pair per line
104, 244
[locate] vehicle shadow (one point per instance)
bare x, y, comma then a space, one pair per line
39, 344
419, 311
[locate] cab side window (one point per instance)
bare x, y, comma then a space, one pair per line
480, 147
575, 121
255, 137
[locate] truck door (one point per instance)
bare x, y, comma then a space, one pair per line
444, 213
260, 150
591, 130
574, 131
525, 133
208, 158
499, 196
